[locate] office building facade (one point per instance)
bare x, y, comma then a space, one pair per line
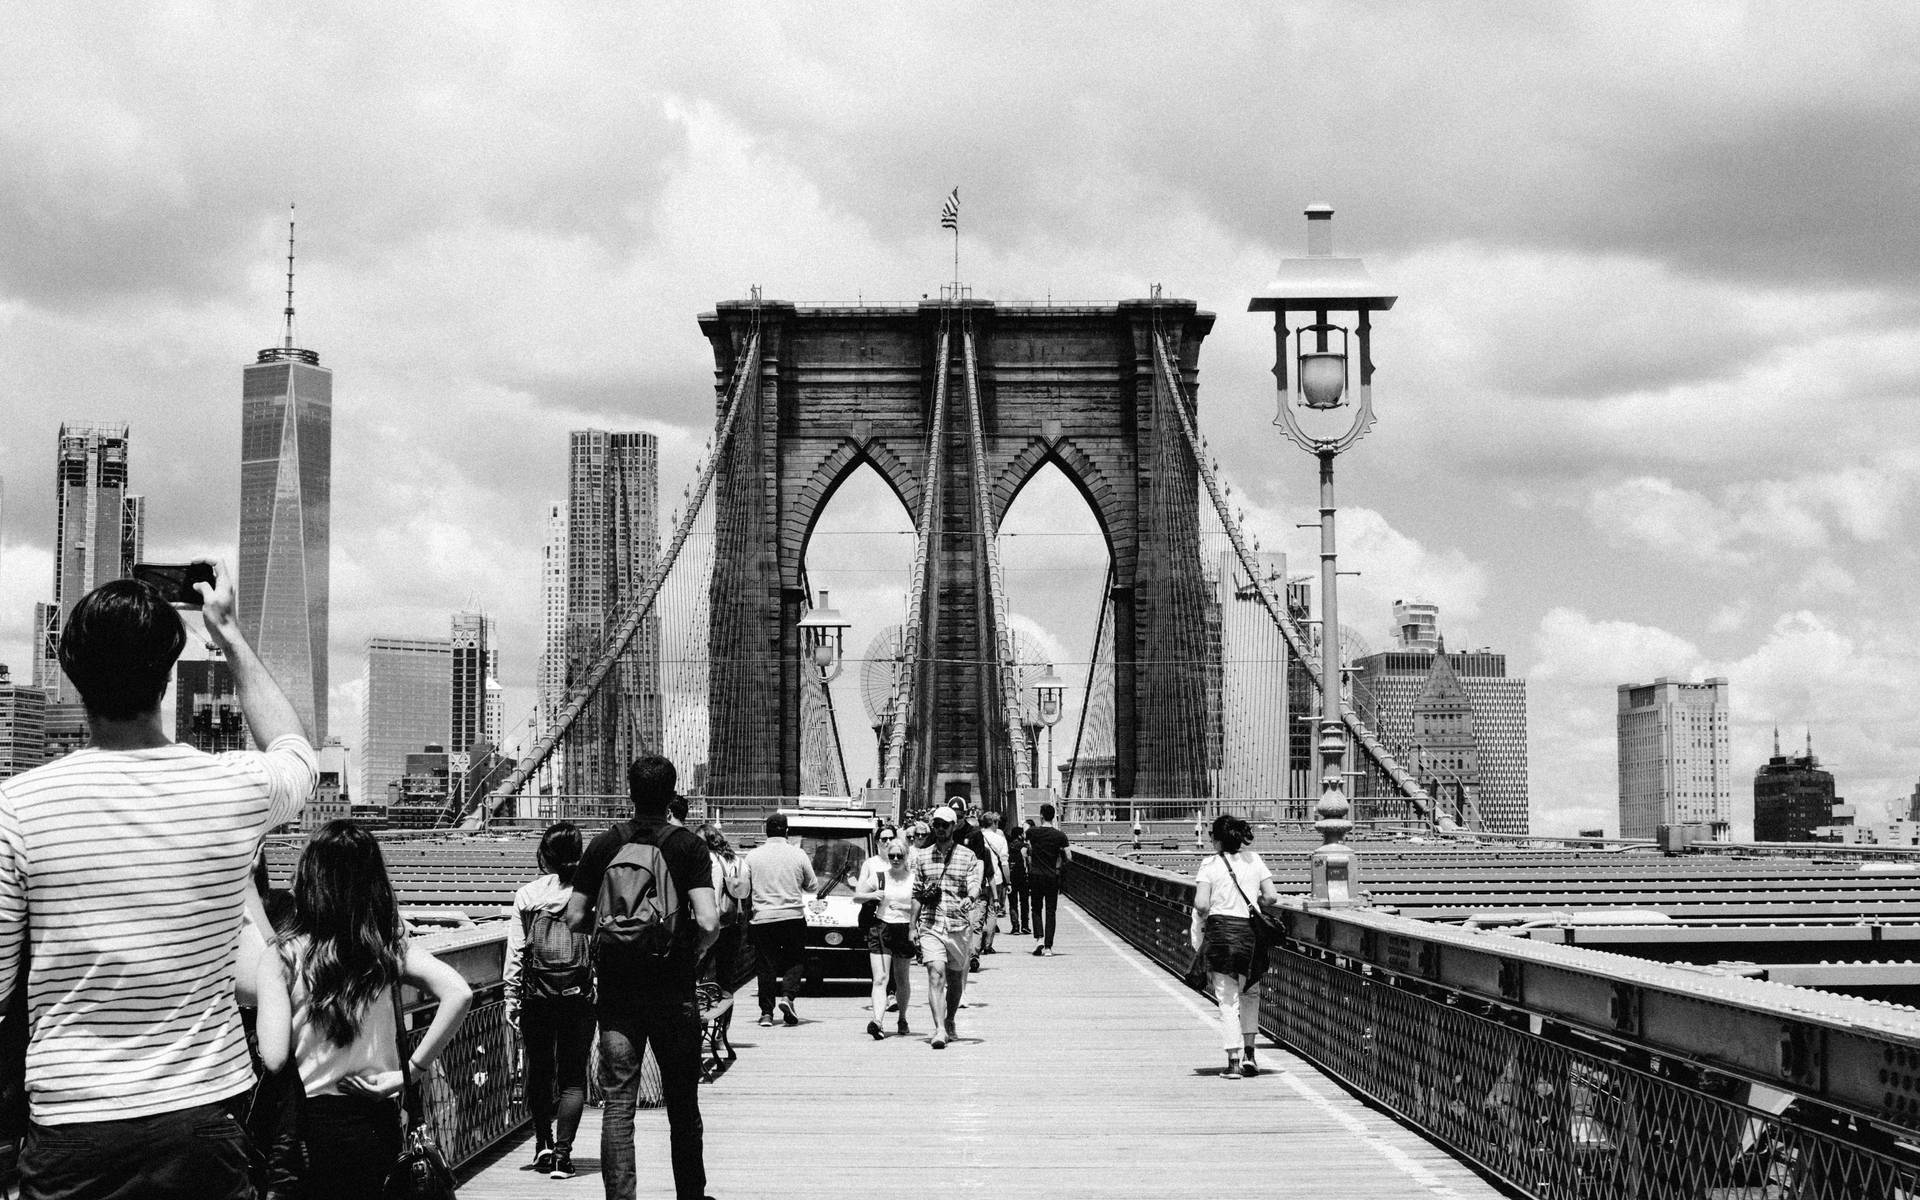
408, 703
476, 660
1456, 719
286, 487
206, 709
99, 533
1792, 797
612, 544
1674, 753
23, 726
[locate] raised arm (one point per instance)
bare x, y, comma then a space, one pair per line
270, 715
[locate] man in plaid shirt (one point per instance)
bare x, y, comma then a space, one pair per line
947, 879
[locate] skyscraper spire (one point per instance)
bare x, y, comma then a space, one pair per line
1776, 741
1809, 741
289, 341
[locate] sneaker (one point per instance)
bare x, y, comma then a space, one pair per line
1046, 952
901, 1028
562, 1165
953, 1035
786, 1012
766, 1020
1233, 1065
939, 1042
873, 1031
542, 1161
1039, 951
893, 1004
1248, 1067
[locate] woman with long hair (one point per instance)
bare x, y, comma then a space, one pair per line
346, 952
1223, 896
549, 986
890, 938
722, 967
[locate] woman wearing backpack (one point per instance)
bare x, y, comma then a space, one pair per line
346, 954
549, 989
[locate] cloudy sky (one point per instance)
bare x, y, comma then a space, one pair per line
1639, 403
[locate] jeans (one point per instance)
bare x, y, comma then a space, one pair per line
351, 1145
781, 948
1017, 905
197, 1153
559, 1040
672, 1023
1045, 899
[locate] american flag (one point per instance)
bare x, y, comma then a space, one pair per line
950, 212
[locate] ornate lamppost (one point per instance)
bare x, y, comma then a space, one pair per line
823, 640
1319, 286
1048, 691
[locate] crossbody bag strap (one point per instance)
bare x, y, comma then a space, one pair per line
1228, 864
410, 1117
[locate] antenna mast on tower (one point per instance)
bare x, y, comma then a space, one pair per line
289, 341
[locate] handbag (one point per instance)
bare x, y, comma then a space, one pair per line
1195, 976
420, 1173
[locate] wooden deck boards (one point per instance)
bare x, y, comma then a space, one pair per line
1089, 1074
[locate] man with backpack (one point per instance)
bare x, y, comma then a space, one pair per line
644, 891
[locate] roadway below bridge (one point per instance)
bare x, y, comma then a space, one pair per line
1089, 1074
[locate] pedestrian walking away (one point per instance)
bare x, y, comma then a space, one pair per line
1046, 860
346, 955
645, 890
1017, 877
995, 904
1222, 930
947, 878
890, 937
780, 878
549, 988
136, 1061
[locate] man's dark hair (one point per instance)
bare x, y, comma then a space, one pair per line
119, 646
1046, 812
650, 782
777, 825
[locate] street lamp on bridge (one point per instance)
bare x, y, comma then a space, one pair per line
1320, 286
822, 640
1049, 691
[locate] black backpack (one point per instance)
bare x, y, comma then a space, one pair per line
640, 917
557, 962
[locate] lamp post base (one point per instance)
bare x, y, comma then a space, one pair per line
1335, 871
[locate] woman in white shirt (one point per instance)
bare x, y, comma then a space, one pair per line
1228, 883
890, 940
346, 951
549, 986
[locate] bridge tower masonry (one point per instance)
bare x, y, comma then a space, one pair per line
846, 386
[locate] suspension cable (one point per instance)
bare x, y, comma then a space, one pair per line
1289, 629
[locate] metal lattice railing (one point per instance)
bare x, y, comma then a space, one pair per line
470, 1094
1548, 1108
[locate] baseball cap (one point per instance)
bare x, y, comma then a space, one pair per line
943, 813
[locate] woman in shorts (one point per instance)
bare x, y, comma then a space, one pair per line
889, 936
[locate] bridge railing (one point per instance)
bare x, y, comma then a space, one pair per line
1569, 1072
1259, 810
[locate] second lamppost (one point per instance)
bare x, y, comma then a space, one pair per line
1049, 690
1318, 287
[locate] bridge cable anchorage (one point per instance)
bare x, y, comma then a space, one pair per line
746, 378
1409, 787
1004, 666
908, 689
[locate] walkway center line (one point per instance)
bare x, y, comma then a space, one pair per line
1400, 1159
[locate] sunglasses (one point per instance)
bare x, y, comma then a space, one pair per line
895, 857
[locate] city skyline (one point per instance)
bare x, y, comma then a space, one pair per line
1571, 480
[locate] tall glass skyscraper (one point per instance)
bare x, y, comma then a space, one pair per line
613, 485
407, 707
286, 472
98, 533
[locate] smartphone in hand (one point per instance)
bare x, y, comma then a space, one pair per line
175, 581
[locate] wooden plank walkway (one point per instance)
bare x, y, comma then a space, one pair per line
1088, 1074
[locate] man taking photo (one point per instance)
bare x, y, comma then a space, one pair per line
136, 851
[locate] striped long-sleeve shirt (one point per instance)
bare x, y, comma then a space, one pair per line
127, 871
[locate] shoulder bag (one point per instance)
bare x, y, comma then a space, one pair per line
1265, 934
420, 1173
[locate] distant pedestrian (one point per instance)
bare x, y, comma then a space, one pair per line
966, 832
947, 878
1017, 877
1046, 860
995, 905
890, 938
1223, 895
779, 878
645, 889
347, 954
549, 987
722, 967
123, 872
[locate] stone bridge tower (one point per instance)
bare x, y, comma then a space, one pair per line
845, 386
